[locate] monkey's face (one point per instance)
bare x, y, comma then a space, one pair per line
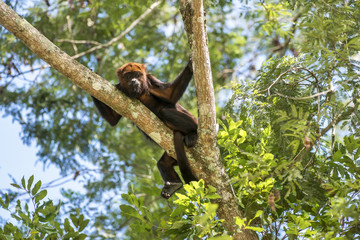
133, 79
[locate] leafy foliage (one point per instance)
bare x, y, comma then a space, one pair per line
284, 147
41, 222
192, 216
289, 134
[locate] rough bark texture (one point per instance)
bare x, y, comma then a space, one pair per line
209, 165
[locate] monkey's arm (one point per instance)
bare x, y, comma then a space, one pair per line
106, 112
174, 91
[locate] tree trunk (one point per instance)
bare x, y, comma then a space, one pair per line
209, 166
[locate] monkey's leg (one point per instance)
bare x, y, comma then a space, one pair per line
172, 181
182, 160
180, 121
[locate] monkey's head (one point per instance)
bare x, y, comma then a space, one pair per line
132, 79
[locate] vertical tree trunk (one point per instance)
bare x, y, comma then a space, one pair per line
209, 167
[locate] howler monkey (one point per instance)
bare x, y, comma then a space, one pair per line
161, 98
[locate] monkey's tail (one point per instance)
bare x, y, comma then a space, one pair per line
182, 159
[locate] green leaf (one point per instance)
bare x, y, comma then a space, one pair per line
268, 157
294, 111
2, 204
83, 225
240, 222
26, 207
15, 185
130, 211
179, 224
221, 238
23, 182
232, 125
24, 217
58, 227
81, 219
16, 217
67, 226
40, 195
354, 43
258, 213
36, 188
256, 229
337, 156
30, 182
213, 196
74, 220
81, 236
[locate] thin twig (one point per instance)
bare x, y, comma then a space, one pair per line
282, 74
100, 45
308, 97
112, 41
70, 32
297, 155
278, 78
79, 41
337, 118
30, 71
335, 121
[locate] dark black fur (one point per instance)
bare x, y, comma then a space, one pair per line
161, 98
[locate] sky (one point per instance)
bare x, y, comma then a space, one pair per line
16, 158
19, 160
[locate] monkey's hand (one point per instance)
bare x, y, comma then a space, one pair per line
190, 139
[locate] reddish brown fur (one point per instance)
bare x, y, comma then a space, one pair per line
131, 67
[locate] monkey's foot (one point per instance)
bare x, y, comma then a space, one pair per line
170, 188
190, 139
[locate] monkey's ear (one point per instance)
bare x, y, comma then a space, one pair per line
119, 71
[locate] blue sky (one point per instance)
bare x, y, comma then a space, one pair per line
19, 160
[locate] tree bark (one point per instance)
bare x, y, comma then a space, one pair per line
209, 165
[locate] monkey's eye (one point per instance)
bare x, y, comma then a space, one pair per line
131, 75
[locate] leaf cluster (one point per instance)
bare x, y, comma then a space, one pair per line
42, 222
192, 216
290, 139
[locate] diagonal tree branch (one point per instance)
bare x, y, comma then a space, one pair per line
100, 45
86, 79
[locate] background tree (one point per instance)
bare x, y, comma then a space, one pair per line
289, 135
